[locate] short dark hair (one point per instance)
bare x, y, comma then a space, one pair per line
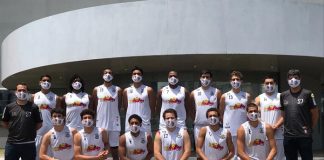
205, 71
270, 76
45, 75
293, 72
89, 112
212, 109
103, 71
76, 76
170, 110
137, 68
23, 84
236, 73
58, 110
252, 105
136, 117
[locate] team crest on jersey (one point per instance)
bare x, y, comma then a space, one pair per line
113, 90
222, 136
300, 101
165, 136
50, 98
142, 90
199, 93
211, 93
143, 140
130, 90
67, 134
261, 130
179, 136
28, 114
96, 136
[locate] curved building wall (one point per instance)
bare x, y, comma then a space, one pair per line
167, 27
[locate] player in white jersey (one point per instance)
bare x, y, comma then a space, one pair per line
173, 96
270, 107
233, 105
252, 136
91, 142
202, 99
106, 101
139, 99
213, 141
75, 102
46, 100
59, 139
135, 144
171, 142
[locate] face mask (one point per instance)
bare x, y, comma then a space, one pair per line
87, 122
236, 84
107, 77
46, 85
170, 123
136, 78
134, 128
253, 116
293, 83
76, 85
205, 82
22, 95
173, 80
57, 121
213, 120
269, 88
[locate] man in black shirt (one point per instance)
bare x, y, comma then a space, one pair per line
300, 117
23, 119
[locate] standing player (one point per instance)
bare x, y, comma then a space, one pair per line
270, 108
171, 142
91, 142
46, 100
107, 102
59, 139
213, 141
252, 136
75, 101
139, 99
175, 97
135, 144
233, 105
203, 98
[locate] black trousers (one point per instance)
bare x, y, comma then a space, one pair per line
303, 146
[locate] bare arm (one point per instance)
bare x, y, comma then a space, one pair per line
230, 147
257, 102
157, 147
192, 110
43, 148
149, 147
122, 148
187, 146
39, 125
240, 144
272, 142
315, 116
63, 104
152, 102
219, 96
120, 98
187, 103
222, 106
158, 102
125, 100
5, 124
58, 102
200, 143
94, 99
249, 98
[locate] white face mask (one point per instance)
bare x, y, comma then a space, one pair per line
136, 78
87, 122
57, 121
269, 88
205, 82
253, 116
77, 85
134, 128
170, 123
45, 85
173, 80
107, 77
213, 120
236, 84
22, 95
293, 83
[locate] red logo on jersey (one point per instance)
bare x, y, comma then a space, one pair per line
271, 108
109, 99
137, 151
206, 103
137, 100
237, 106
77, 103
257, 142
44, 106
62, 146
216, 146
174, 100
92, 147
172, 147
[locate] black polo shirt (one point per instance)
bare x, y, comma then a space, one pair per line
298, 118
22, 122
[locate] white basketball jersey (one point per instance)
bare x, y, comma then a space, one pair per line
62, 144
75, 104
92, 143
255, 141
235, 110
215, 146
271, 111
45, 103
204, 99
173, 98
136, 147
138, 103
172, 143
107, 109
